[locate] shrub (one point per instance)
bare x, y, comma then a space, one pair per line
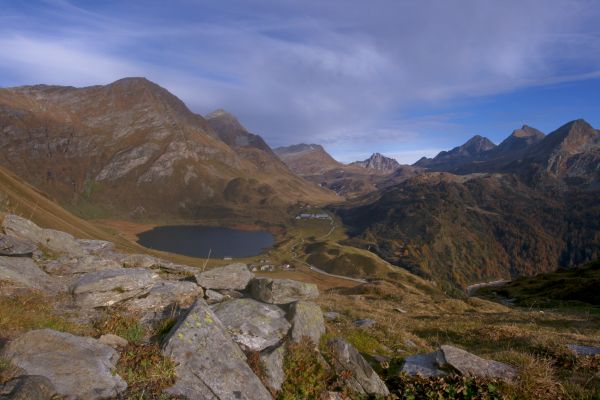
305, 375
452, 388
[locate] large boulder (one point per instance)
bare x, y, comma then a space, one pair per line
271, 361
164, 299
14, 247
253, 325
105, 288
470, 364
307, 321
28, 387
78, 367
282, 291
362, 379
234, 277
209, 363
57, 241
20, 272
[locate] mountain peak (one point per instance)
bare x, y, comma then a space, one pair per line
477, 144
378, 162
307, 159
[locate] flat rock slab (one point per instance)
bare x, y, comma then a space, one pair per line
470, 364
78, 367
272, 363
57, 241
423, 365
234, 277
282, 291
209, 363
365, 323
28, 387
579, 350
105, 288
362, 378
81, 265
163, 299
14, 247
253, 325
21, 272
307, 321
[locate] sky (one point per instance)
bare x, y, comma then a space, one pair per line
404, 78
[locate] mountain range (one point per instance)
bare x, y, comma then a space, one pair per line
133, 149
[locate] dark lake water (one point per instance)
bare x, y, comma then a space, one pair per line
196, 241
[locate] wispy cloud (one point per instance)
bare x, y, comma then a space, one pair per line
342, 73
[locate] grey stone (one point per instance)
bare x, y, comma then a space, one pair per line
470, 364
105, 288
141, 261
423, 364
282, 291
209, 363
82, 265
78, 367
272, 363
365, 323
58, 241
332, 315
164, 299
214, 297
96, 247
20, 272
234, 276
307, 321
12, 246
28, 387
253, 325
362, 378
579, 350
113, 341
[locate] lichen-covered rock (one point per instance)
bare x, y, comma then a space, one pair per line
81, 265
14, 247
28, 387
209, 363
362, 378
164, 299
96, 247
58, 241
234, 276
272, 363
307, 321
78, 367
21, 272
253, 325
470, 364
105, 288
282, 291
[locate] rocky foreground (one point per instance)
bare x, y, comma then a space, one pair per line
226, 318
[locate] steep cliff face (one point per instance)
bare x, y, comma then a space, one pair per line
131, 147
379, 163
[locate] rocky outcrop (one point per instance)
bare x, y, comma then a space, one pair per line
234, 276
423, 365
109, 287
13, 247
78, 367
164, 299
362, 378
20, 272
307, 321
253, 325
75, 266
282, 291
379, 163
209, 364
58, 241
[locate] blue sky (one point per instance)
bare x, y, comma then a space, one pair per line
403, 78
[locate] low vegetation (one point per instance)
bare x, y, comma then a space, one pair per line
306, 377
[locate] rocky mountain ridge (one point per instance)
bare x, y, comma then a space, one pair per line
378, 162
134, 149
